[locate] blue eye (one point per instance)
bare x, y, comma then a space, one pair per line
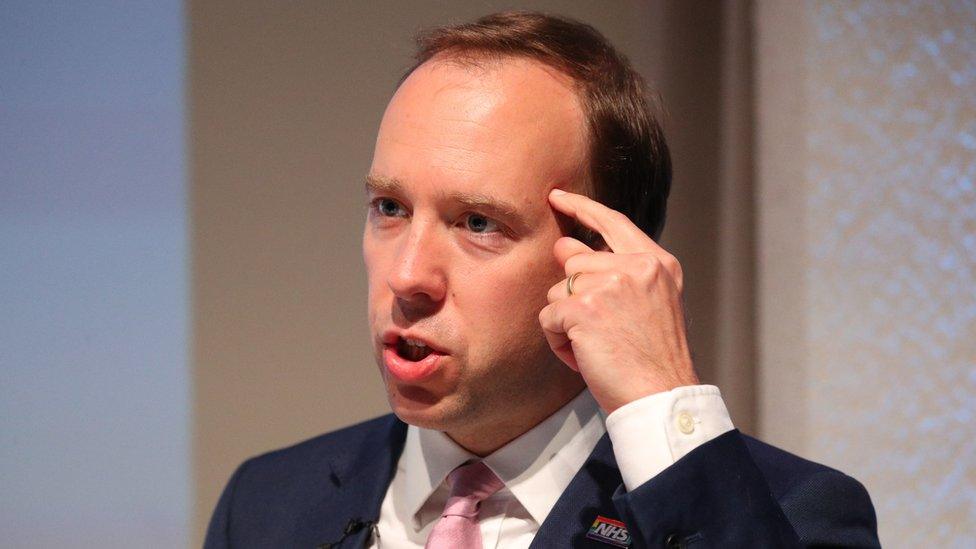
480, 224
388, 207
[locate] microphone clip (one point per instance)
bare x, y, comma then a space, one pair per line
352, 527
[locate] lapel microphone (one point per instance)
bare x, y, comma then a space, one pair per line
352, 527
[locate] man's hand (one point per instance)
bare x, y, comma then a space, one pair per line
623, 328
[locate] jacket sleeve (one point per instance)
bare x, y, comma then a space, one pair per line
716, 496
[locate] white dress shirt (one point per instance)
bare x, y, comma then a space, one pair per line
648, 435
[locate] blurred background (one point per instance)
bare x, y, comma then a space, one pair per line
181, 206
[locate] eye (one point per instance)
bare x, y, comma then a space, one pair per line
478, 223
387, 207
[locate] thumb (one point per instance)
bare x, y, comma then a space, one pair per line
566, 247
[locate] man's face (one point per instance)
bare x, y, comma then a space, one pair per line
458, 241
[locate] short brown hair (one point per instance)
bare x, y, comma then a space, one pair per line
630, 166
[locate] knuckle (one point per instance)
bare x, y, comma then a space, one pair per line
617, 280
572, 264
544, 315
673, 267
671, 263
618, 217
650, 266
552, 294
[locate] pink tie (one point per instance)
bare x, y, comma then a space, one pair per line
458, 526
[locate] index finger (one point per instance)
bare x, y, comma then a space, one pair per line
619, 232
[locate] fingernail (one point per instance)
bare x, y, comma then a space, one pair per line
558, 192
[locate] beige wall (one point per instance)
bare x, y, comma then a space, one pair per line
867, 252
780, 33
285, 99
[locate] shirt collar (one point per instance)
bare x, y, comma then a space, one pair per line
536, 467
428, 456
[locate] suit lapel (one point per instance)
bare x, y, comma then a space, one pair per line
587, 496
360, 480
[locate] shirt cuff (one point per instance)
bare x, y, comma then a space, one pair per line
653, 432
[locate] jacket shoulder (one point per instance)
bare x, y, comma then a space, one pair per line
329, 448
782, 469
285, 495
824, 505
298, 471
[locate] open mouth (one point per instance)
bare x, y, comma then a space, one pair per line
410, 360
412, 350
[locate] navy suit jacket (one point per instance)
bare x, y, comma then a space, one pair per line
733, 491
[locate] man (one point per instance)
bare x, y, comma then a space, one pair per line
546, 378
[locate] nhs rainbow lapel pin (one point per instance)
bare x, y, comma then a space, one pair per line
609, 531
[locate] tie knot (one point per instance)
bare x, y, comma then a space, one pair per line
458, 525
473, 483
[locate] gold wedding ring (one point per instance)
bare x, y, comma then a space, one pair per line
569, 283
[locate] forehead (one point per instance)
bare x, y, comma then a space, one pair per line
511, 126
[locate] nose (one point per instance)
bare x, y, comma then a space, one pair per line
417, 277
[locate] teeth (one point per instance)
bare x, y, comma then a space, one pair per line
412, 349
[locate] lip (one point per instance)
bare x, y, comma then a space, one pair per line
391, 337
409, 371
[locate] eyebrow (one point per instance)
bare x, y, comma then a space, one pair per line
378, 184
483, 203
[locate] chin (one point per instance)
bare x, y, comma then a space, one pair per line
419, 407
423, 418
416, 406
424, 421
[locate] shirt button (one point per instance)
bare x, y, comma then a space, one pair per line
686, 423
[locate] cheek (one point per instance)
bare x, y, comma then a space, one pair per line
376, 266
507, 295
377, 290
368, 257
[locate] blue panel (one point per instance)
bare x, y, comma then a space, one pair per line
93, 276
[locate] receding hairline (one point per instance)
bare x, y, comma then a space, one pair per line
489, 61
